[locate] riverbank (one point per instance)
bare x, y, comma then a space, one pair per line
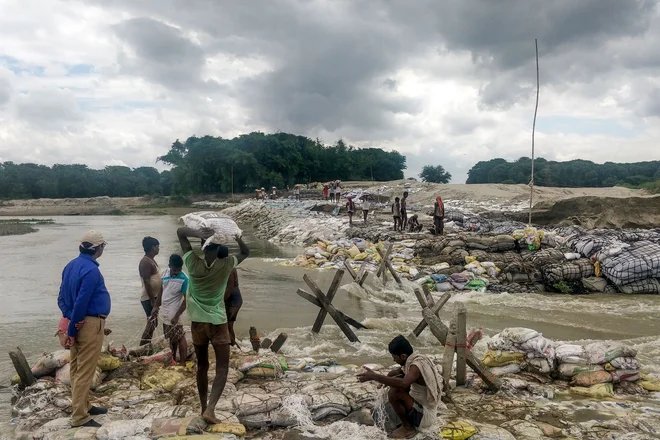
16, 226
272, 397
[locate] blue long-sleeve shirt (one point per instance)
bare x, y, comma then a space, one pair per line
82, 292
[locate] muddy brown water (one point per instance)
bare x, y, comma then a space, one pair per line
32, 266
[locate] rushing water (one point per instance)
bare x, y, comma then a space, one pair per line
32, 266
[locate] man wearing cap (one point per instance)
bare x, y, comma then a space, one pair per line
205, 305
85, 302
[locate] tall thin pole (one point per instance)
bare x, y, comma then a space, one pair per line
536, 109
232, 183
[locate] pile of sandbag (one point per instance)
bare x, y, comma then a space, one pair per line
593, 368
515, 349
573, 270
332, 254
634, 264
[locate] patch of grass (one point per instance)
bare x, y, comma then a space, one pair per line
15, 229
116, 211
651, 187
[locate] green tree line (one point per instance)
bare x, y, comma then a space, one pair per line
208, 165
212, 164
574, 173
32, 181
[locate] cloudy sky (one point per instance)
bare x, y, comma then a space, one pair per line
448, 82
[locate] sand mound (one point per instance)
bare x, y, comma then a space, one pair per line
601, 212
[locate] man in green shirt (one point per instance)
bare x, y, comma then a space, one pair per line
208, 277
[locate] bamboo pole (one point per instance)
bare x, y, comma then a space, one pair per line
536, 108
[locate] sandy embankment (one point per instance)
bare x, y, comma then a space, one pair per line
591, 207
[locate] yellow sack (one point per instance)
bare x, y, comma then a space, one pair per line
597, 268
165, 378
398, 260
353, 251
361, 256
470, 259
649, 383
227, 428
261, 372
600, 391
321, 245
496, 359
16, 380
458, 431
108, 362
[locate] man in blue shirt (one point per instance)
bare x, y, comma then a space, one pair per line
85, 301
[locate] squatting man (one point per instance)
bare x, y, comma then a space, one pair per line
415, 389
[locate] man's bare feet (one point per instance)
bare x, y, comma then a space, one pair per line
210, 417
403, 432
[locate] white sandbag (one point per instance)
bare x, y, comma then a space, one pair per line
507, 369
540, 365
63, 375
48, 363
491, 432
624, 363
572, 352
256, 421
498, 343
602, 352
538, 347
122, 429
248, 403
570, 370
518, 335
225, 227
626, 375
444, 287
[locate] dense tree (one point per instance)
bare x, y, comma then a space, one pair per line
208, 165
435, 174
213, 164
574, 173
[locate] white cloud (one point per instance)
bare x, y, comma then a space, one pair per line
117, 82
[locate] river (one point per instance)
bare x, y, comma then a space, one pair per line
32, 266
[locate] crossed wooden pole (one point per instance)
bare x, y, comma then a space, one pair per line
386, 266
360, 276
324, 302
450, 339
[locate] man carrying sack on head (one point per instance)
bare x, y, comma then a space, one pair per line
85, 302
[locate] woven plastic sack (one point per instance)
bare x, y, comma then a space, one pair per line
594, 284
249, 403
225, 227
625, 375
48, 363
570, 370
544, 256
573, 351
161, 428
622, 363
500, 359
507, 369
600, 391
587, 379
121, 429
603, 352
638, 262
518, 335
458, 431
647, 286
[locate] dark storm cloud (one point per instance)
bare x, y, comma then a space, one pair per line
333, 64
162, 53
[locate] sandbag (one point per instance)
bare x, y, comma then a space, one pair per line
571, 351
507, 369
163, 378
602, 352
121, 429
48, 363
248, 403
589, 378
538, 365
601, 390
108, 362
570, 370
594, 284
518, 335
502, 358
647, 286
649, 383
622, 363
625, 376
640, 261
161, 428
223, 226
164, 357
227, 428
458, 431
63, 375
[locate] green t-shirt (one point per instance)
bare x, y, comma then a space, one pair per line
205, 298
